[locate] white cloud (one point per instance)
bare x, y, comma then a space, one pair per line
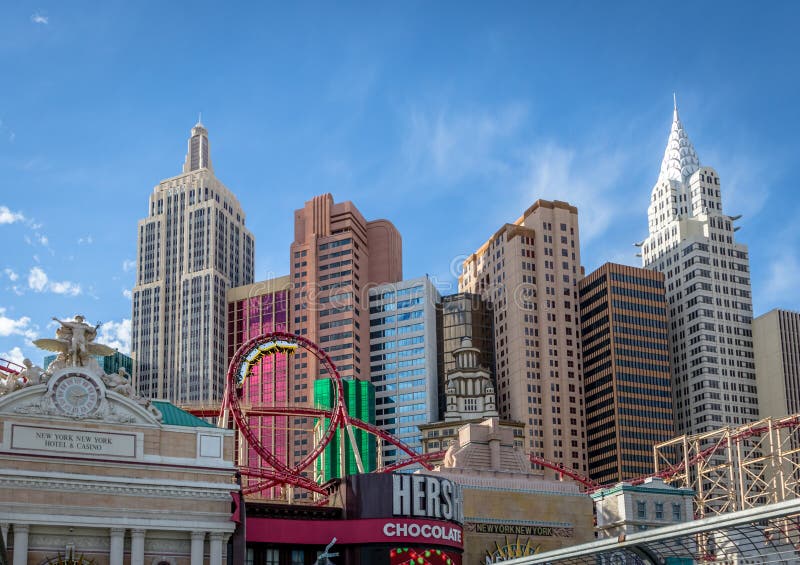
21, 326
128, 265
88, 240
11, 274
38, 18
15, 355
40, 282
9, 217
127, 293
42, 239
116, 335
37, 279
64, 287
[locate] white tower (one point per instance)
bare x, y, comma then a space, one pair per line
707, 274
192, 247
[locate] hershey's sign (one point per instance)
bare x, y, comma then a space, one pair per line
427, 497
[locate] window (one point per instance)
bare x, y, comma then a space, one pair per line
641, 509
676, 513
659, 510
271, 557
298, 557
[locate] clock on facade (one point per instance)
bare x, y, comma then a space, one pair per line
76, 395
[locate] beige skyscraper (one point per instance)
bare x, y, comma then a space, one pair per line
192, 247
776, 336
529, 271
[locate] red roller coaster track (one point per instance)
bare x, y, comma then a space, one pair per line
10, 368
742, 433
277, 472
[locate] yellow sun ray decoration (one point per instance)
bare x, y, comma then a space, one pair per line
511, 550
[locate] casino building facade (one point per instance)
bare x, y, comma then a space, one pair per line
91, 474
377, 519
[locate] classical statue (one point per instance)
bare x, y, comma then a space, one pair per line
119, 382
74, 339
33, 375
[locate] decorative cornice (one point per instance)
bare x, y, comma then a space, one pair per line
118, 489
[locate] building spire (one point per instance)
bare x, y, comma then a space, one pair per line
680, 158
199, 154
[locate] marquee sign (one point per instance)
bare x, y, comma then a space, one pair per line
71, 441
425, 496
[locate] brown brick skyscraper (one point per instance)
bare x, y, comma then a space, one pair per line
626, 370
336, 257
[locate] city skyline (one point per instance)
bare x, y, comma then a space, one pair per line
68, 211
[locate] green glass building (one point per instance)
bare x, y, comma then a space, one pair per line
360, 402
109, 364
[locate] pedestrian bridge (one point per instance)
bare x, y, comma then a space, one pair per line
763, 535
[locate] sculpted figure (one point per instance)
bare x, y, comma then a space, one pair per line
9, 384
74, 340
58, 363
119, 382
32, 373
79, 334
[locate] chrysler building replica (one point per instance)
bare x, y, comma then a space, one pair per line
192, 247
707, 281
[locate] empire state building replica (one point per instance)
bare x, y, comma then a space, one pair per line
692, 241
192, 247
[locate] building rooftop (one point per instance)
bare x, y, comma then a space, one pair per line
174, 416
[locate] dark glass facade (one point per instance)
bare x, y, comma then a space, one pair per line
628, 395
459, 316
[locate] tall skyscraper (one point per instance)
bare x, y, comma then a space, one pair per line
336, 257
192, 247
691, 240
626, 374
529, 271
403, 359
254, 310
777, 349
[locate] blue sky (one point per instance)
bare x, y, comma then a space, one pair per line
448, 118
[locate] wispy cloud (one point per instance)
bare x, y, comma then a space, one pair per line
38, 281
128, 265
9, 217
20, 326
782, 276
584, 178
88, 240
447, 146
127, 293
116, 335
39, 18
7, 131
11, 274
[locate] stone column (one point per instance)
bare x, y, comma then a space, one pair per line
215, 548
198, 544
117, 549
21, 544
137, 547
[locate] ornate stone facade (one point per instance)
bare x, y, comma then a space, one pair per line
105, 477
